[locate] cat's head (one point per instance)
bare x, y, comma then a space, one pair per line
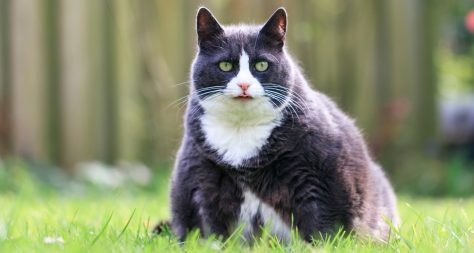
242, 70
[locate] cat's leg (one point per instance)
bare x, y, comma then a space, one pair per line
219, 198
184, 209
315, 220
306, 219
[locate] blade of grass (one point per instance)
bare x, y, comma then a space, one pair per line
104, 227
126, 225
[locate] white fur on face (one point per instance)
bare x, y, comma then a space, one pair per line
244, 76
238, 128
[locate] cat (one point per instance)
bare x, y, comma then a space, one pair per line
262, 149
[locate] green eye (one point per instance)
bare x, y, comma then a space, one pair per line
225, 66
261, 66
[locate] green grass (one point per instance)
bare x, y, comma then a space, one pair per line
85, 218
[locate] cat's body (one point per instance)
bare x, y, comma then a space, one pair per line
263, 149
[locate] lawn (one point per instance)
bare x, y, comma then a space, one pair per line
81, 217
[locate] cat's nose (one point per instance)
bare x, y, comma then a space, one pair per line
244, 86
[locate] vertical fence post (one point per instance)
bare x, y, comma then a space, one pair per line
52, 80
27, 79
76, 140
5, 91
426, 88
110, 91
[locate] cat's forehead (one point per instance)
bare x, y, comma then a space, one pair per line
241, 31
240, 37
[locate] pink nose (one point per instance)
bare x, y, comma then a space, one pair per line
244, 86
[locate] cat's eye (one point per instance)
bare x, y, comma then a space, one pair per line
261, 66
225, 66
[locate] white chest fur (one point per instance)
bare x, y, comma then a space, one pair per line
236, 143
253, 206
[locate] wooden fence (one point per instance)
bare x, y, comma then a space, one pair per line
95, 79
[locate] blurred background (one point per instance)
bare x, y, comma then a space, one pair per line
92, 87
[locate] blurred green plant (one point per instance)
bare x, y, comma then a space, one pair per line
456, 72
21, 177
15, 177
427, 176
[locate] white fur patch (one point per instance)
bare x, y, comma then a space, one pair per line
252, 206
235, 143
244, 76
237, 129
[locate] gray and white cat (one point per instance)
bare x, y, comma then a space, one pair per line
261, 148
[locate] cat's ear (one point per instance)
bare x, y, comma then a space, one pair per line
207, 26
275, 28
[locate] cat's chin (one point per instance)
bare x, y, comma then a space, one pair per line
240, 110
247, 102
232, 100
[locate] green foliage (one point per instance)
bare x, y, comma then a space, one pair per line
38, 218
456, 72
426, 176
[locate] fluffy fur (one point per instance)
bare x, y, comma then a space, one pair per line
284, 156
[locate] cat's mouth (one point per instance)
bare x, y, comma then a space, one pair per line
243, 96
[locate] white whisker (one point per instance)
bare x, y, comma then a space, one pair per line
178, 84
291, 103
